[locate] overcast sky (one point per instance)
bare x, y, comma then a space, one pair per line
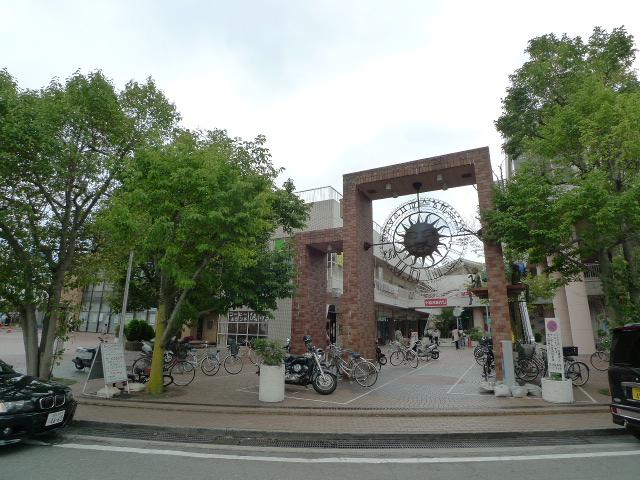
336, 86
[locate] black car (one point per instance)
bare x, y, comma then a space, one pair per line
624, 377
29, 406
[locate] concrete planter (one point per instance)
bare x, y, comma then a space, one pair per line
271, 383
557, 391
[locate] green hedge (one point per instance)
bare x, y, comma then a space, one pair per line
137, 330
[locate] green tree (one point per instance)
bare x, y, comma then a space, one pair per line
201, 212
571, 120
62, 151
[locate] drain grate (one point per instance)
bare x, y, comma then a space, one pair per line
283, 440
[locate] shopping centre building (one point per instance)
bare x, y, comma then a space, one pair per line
400, 302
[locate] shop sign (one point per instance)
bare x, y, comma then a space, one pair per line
435, 302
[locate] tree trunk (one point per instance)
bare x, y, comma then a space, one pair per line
30, 338
157, 361
612, 302
50, 327
634, 285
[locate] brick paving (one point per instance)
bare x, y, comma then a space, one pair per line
439, 396
449, 383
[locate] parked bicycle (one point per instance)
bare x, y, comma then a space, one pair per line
576, 371
232, 362
488, 365
600, 358
180, 370
403, 354
363, 371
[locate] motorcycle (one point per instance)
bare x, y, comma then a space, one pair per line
308, 369
426, 352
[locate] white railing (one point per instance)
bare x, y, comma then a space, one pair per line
592, 271
319, 194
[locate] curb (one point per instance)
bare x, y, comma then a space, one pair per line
346, 412
230, 436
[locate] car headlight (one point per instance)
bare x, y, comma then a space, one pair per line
16, 406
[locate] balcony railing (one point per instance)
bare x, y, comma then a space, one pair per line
319, 194
592, 271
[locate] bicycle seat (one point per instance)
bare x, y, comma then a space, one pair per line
355, 355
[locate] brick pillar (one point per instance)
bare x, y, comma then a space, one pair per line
308, 310
356, 324
500, 321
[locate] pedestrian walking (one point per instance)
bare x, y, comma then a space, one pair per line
436, 336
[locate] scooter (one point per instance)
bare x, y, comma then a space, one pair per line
85, 355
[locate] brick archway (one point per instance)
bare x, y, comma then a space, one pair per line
360, 189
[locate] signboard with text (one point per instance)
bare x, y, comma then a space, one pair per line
113, 365
435, 302
554, 349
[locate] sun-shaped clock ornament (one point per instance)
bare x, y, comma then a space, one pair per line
423, 238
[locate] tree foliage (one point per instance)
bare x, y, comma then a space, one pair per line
63, 149
199, 214
571, 122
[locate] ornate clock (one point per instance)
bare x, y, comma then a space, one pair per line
423, 238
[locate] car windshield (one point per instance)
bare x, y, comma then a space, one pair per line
626, 348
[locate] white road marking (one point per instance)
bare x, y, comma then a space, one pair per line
585, 392
348, 401
295, 398
460, 379
373, 460
390, 381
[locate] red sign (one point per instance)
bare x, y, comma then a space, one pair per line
435, 302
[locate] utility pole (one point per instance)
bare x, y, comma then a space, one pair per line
123, 312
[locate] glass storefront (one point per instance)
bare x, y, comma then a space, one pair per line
242, 327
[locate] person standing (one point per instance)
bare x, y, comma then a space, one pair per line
436, 336
455, 333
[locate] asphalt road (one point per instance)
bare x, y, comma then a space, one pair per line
72, 457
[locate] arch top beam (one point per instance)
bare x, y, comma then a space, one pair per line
435, 173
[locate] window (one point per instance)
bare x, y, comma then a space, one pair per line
242, 327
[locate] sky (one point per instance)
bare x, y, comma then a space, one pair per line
336, 86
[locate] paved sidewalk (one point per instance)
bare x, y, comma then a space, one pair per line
450, 383
438, 397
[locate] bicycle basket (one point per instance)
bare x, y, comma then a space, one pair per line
570, 351
526, 350
234, 348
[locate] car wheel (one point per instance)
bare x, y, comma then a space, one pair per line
635, 431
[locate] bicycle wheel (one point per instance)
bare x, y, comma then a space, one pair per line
140, 365
600, 360
526, 370
479, 353
166, 380
411, 358
182, 373
254, 357
365, 373
210, 365
396, 358
232, 364
578, 372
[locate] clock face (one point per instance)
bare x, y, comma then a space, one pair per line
424, 238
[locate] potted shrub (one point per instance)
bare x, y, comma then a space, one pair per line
135, 331
271, 370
